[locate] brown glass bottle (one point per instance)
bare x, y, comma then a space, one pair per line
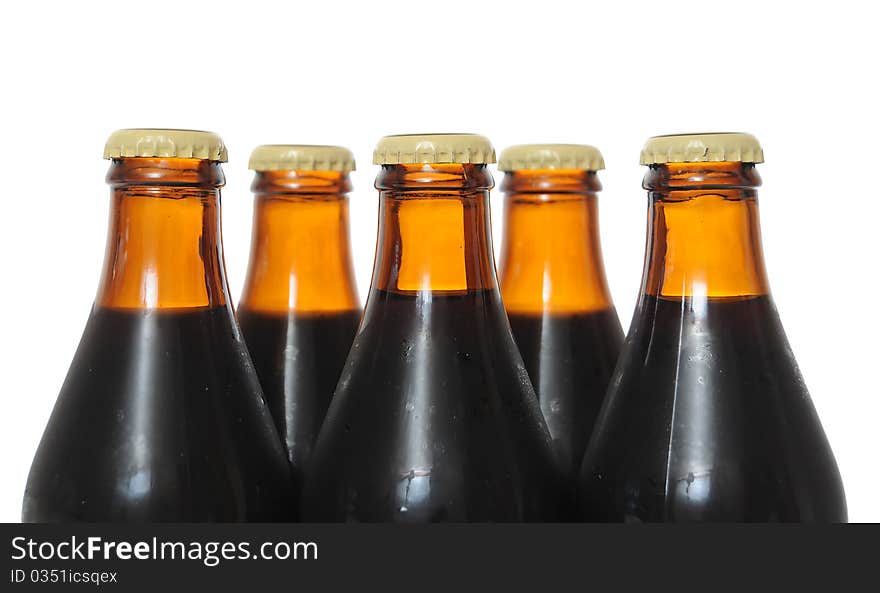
434, 418
555, 292
161, 416
707, 417
299, 310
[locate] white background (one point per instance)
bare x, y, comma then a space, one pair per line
801, 76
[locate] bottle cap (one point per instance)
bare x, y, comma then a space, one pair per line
301, 157
409, 149
551, 156
702, 148
182, 144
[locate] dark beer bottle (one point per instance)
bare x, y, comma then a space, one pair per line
554, 288
300, 310
707, 417
161, 416
434, 418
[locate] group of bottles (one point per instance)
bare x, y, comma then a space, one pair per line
435, 403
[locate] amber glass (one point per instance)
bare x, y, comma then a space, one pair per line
299, 310
557, 300
161, 416
434, 418
707, 417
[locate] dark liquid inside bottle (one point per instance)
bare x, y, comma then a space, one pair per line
298, 358
570, 359
158, 420
711, 422
443, 455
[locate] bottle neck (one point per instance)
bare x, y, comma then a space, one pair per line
551, 260
300, 251
434, 229
164, 248
704, 236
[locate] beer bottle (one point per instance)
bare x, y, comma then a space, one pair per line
434, 418
161, 416
299, 310
554, 288
707, 417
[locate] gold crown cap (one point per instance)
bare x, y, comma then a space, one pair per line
165, 143
551, 156
301, 157
702, 148
411, 149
